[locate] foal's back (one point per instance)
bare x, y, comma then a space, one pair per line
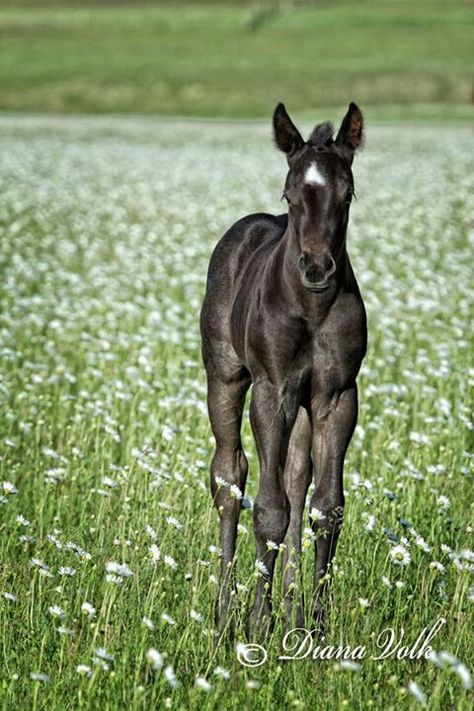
245, 245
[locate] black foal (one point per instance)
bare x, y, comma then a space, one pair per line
283, 312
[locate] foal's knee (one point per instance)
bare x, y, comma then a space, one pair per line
271, 518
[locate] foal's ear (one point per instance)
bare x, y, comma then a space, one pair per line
287, 136
351, 131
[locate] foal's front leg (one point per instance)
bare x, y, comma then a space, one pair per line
272, 416
332, 432
297, 479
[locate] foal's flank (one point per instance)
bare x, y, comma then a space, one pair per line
283, 312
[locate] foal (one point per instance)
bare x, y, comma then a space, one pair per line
283, 312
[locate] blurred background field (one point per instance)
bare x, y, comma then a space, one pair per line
398, 58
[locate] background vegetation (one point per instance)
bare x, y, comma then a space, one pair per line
397, 58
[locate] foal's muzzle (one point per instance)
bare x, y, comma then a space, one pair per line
316, 272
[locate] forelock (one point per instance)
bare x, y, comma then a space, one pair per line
322, 135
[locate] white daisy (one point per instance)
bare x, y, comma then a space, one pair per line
88, 609
443, 503
170, 677
67, 571
316, 515
39, 676
172, 521
120, 569
350, 665
9, 489
261, 568
148, 623
101, 653
196, 616
235, 491
84, 670
203, 684
155, 553
417, 692
56, 611
400, 555
152, 533
223, 673
170, 562
154, 658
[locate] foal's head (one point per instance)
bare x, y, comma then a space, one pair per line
319, 189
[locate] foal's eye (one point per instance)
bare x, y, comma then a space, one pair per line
349, 196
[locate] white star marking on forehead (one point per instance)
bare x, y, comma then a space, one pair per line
313, 176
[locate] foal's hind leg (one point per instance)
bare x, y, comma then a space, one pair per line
226, 401
297, 478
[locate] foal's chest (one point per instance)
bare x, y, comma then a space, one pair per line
327, 352
338, 346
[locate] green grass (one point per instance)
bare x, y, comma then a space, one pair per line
107, 227
206, 60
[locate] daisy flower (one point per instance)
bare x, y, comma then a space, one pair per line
400, 555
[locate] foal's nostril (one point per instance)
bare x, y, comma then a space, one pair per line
316, 269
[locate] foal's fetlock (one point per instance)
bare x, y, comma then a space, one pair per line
262, 623
225, 613
319, 619
262, 618
294, 612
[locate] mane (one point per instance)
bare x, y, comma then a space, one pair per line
322, 135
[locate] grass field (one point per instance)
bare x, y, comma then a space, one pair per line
398, 58
107, 532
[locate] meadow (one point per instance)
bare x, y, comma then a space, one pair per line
108, 537
400, 59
